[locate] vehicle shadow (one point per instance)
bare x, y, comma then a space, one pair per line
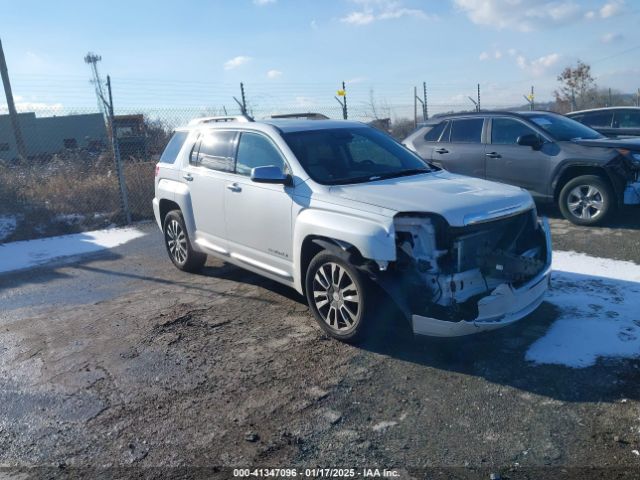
501, 356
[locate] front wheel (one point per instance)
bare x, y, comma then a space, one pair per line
587, 200
338, 296
176, 240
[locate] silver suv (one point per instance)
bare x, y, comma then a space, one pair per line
338, 210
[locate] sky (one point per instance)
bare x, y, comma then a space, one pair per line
294, 54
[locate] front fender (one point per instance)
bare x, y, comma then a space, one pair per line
373, 237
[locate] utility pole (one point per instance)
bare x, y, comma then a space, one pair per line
610, 99
638, 99
13, 114
343, 103
478, 105
425, 110
417, 99
124, 197
93, 59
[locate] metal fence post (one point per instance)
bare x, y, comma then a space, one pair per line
124, 198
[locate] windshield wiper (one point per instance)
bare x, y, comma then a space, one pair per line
403, 173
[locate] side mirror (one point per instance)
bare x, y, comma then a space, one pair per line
270, 174
531, 140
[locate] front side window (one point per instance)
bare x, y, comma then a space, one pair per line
352, 155
505, 131
562, 128
597, 119
255, 150
627, 119
468, 130
215, 151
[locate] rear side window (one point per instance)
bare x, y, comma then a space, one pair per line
598, 119
256, 150
433, 135
505, 131
173, 147
627, 119
468, 130
216, 151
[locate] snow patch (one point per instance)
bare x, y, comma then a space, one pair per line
8, 224
31, 253
381, 426
599, 317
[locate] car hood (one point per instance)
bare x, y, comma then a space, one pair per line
460, 200
628, 143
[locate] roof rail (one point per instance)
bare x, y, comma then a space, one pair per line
307, 116
230, 118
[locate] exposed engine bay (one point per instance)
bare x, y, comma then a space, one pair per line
443, 272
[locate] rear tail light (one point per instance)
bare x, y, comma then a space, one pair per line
157, 170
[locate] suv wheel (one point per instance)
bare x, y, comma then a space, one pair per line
337, 294
178, 244
587, 200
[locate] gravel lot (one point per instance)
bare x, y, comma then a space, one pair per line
117, 359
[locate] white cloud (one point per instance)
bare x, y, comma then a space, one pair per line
496, 54
611, 37
519, 14
484, 56
538, 66
262, 3
236, 62
373, 10
304, 102
611, 8
314, 24
354, 80
274, 74
32, 105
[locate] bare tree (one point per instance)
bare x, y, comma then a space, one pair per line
576, 88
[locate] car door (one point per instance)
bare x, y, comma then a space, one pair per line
425, 141
210, 160
515, 164
258, 215
460, 149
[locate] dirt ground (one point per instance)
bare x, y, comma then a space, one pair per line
120, 363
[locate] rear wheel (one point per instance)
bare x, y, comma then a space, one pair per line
176, 239
338, 295
587, 200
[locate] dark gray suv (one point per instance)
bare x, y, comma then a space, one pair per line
557, 159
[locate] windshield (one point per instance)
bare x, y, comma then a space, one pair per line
352, 155
562, 128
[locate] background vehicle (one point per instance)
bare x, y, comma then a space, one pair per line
555, 158
334, 208
611, 121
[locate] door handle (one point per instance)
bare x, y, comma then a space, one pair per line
188, 177
442, 150
493, 155
234, 187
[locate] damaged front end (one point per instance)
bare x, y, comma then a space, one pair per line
454, 281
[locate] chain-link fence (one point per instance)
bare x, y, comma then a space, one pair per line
66, 180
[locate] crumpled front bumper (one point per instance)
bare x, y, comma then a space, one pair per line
632, 194
504, 306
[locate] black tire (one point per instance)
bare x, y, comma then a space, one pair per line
181, 252
350, 304
587, 200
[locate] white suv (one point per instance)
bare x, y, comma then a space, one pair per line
336, 209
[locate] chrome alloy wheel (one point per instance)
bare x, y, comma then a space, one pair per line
336, 297
585, 202
176, 241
